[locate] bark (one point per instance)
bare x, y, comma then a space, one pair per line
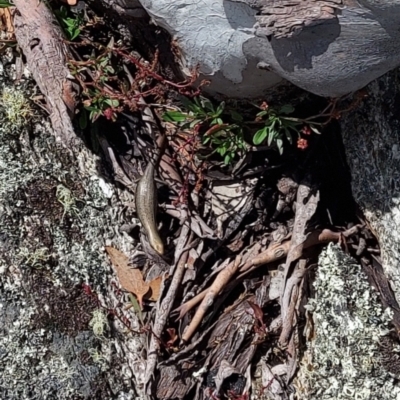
41, 41
247, 46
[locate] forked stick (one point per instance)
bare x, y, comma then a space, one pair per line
212, 292
273, 253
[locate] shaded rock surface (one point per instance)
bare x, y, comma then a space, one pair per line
372, 143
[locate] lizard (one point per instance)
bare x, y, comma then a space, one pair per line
146, 200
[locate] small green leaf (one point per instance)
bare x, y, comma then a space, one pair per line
279, 144
272, 122
69, 22
194, 123
289, 123
271, 136
196, 102
216, 121
220, 109
260, 136
136, 307
228, 158
315, 130
110, 69
196, 108
75, 34
103, 62
221, 150
262, 113
206, 139
286, 109
288, 136
94, 115
174, 116
112, 102
205, 103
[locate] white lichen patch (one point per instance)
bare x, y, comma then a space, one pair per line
56, 217
99, 323
342, 362
15, 108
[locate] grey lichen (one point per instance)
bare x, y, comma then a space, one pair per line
57, 211
343, 358
99, 323
15, 108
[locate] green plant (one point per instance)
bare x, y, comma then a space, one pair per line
200, 111
5, 4
278, 126
72, 25
100, 100
225, 130
225, 139
99, 104
112, 79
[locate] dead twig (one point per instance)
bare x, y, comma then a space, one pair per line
213, 291
275, 252
41, 40
165, 306
289, 301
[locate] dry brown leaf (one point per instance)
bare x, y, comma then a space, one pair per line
154, 292
131, 279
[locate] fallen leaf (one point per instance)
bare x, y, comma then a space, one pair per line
131, 279
154, 292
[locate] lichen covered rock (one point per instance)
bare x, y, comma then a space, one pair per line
347, 347
57, 211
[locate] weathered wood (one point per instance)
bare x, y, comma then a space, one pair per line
247, 46
41, 41
286, 18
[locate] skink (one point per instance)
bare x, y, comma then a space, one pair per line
146, 206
